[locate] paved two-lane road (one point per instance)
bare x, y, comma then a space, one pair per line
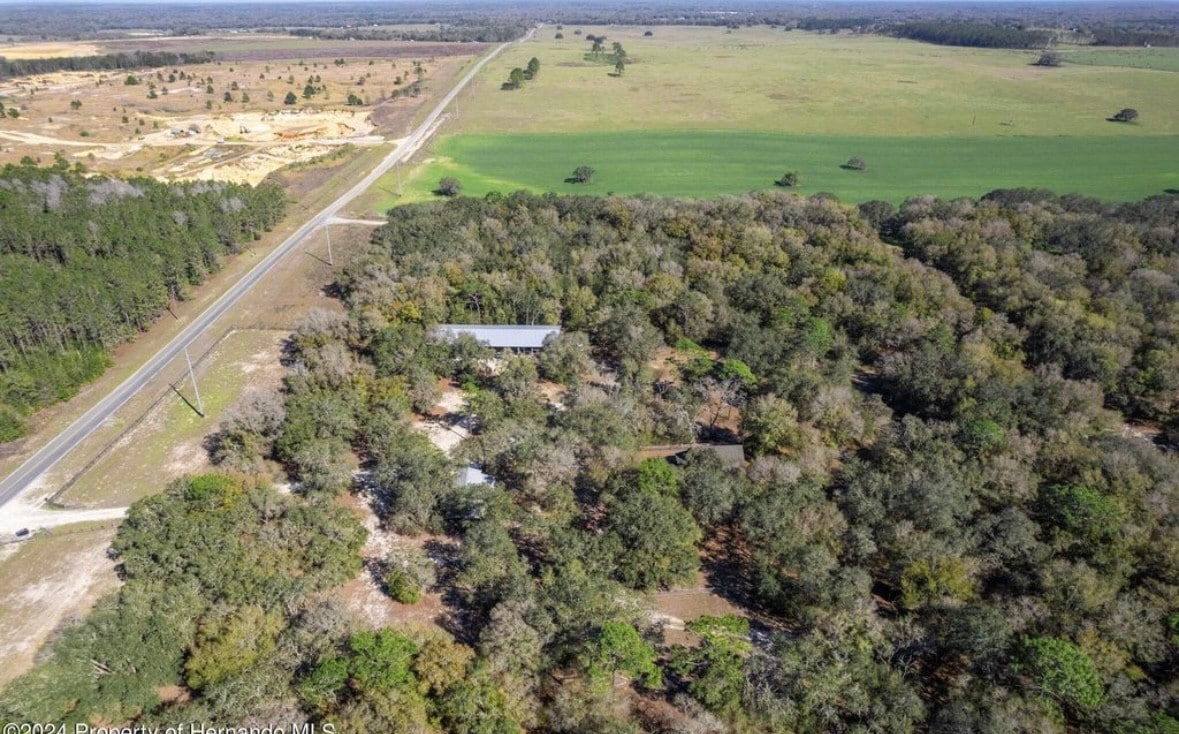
64, 442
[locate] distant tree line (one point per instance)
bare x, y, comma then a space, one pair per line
1120, 24
972, 33
1114, 36
86, 262
105, 62
837, 23
460, 33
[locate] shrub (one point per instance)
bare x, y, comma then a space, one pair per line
790, 178
582, 174
408, 572
449, 186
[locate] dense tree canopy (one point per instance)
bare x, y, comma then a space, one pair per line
972, 33
86, 262
219, 579
942, 523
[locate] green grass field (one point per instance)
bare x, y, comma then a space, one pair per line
705, 111
1159, 59
701, 164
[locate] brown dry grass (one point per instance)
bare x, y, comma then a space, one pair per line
14, 51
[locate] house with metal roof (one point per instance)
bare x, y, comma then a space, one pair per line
501, 337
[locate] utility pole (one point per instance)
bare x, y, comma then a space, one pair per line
327, 230
200, 406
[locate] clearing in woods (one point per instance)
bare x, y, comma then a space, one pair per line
705, 111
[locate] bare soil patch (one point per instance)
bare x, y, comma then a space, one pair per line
50, 580
364, 595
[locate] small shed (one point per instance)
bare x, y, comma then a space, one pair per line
501, 337
471, 476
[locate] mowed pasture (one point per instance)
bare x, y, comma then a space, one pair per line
704, 111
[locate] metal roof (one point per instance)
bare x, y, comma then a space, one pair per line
501, 337
472, 476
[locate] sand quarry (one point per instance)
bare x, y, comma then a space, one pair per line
242, 147
246, 147
229, 120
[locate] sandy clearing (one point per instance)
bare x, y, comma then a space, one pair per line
35, 139
246, 147
363, 595
242, 147
443, 436
188, 457
41, 593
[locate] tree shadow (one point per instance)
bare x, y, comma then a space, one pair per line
369, 493
717, 434
462, 618
848, 167
317, 257
376, 568
1171, 191
333, 290
210, 444
726, 566
287, 354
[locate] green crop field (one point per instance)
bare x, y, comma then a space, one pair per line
704, 164
705, 111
